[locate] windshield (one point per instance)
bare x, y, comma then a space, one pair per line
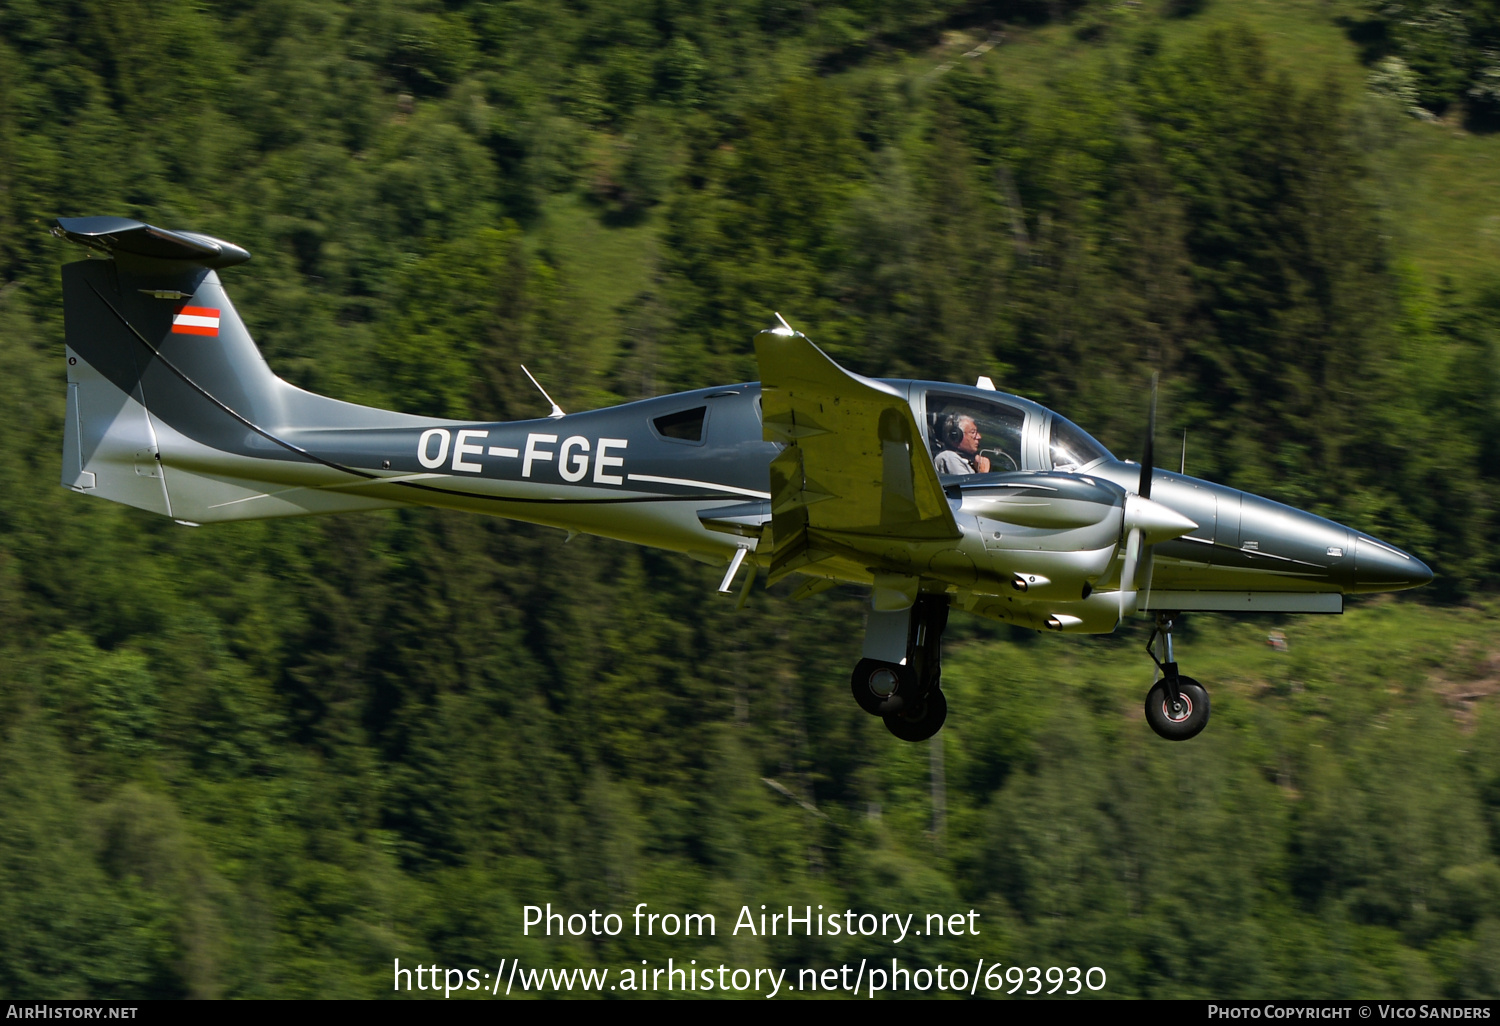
1071, 448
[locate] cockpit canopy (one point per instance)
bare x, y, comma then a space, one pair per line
970, 431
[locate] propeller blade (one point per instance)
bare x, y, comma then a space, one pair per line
1148, 566
1144, 514
1127, 572
1148, 460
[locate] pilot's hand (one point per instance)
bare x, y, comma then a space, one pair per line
982, 464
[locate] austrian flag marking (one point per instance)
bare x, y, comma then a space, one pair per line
196, 320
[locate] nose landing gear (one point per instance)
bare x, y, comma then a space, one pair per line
1176, 706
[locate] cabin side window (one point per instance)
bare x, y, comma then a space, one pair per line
683, 426
973, 436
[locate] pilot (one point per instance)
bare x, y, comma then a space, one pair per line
961, 455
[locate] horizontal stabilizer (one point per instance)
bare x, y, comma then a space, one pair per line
121, 235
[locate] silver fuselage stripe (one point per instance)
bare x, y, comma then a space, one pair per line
653, 479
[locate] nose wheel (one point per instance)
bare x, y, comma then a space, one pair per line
1177, 712
1176, 706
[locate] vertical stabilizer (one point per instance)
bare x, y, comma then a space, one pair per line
171, 407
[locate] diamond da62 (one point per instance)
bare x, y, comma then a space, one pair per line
935, 496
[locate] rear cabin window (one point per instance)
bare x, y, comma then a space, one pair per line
686, 426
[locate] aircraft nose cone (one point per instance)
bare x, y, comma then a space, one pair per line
1382, 567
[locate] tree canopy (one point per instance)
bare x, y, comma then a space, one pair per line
264, 759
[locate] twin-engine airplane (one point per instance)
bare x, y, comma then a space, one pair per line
935, 495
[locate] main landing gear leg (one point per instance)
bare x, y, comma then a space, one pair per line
1176, 706
899, 679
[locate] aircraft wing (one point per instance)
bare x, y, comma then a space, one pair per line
855, 473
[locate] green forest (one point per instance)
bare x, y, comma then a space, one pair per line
266, 759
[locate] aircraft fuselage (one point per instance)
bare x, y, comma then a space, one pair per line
616, 473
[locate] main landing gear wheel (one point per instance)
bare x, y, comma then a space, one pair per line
1181, 717
923, 720
905, 694
882, 688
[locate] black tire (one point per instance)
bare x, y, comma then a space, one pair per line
1184, 722
924, 720
872, 687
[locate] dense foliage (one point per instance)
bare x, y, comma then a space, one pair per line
1436, 53
267, 758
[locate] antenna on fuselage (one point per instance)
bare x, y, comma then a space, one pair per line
557, 411
1184, 453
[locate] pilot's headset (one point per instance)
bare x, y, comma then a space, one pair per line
953, 430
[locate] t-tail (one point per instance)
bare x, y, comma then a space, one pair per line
171, 407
